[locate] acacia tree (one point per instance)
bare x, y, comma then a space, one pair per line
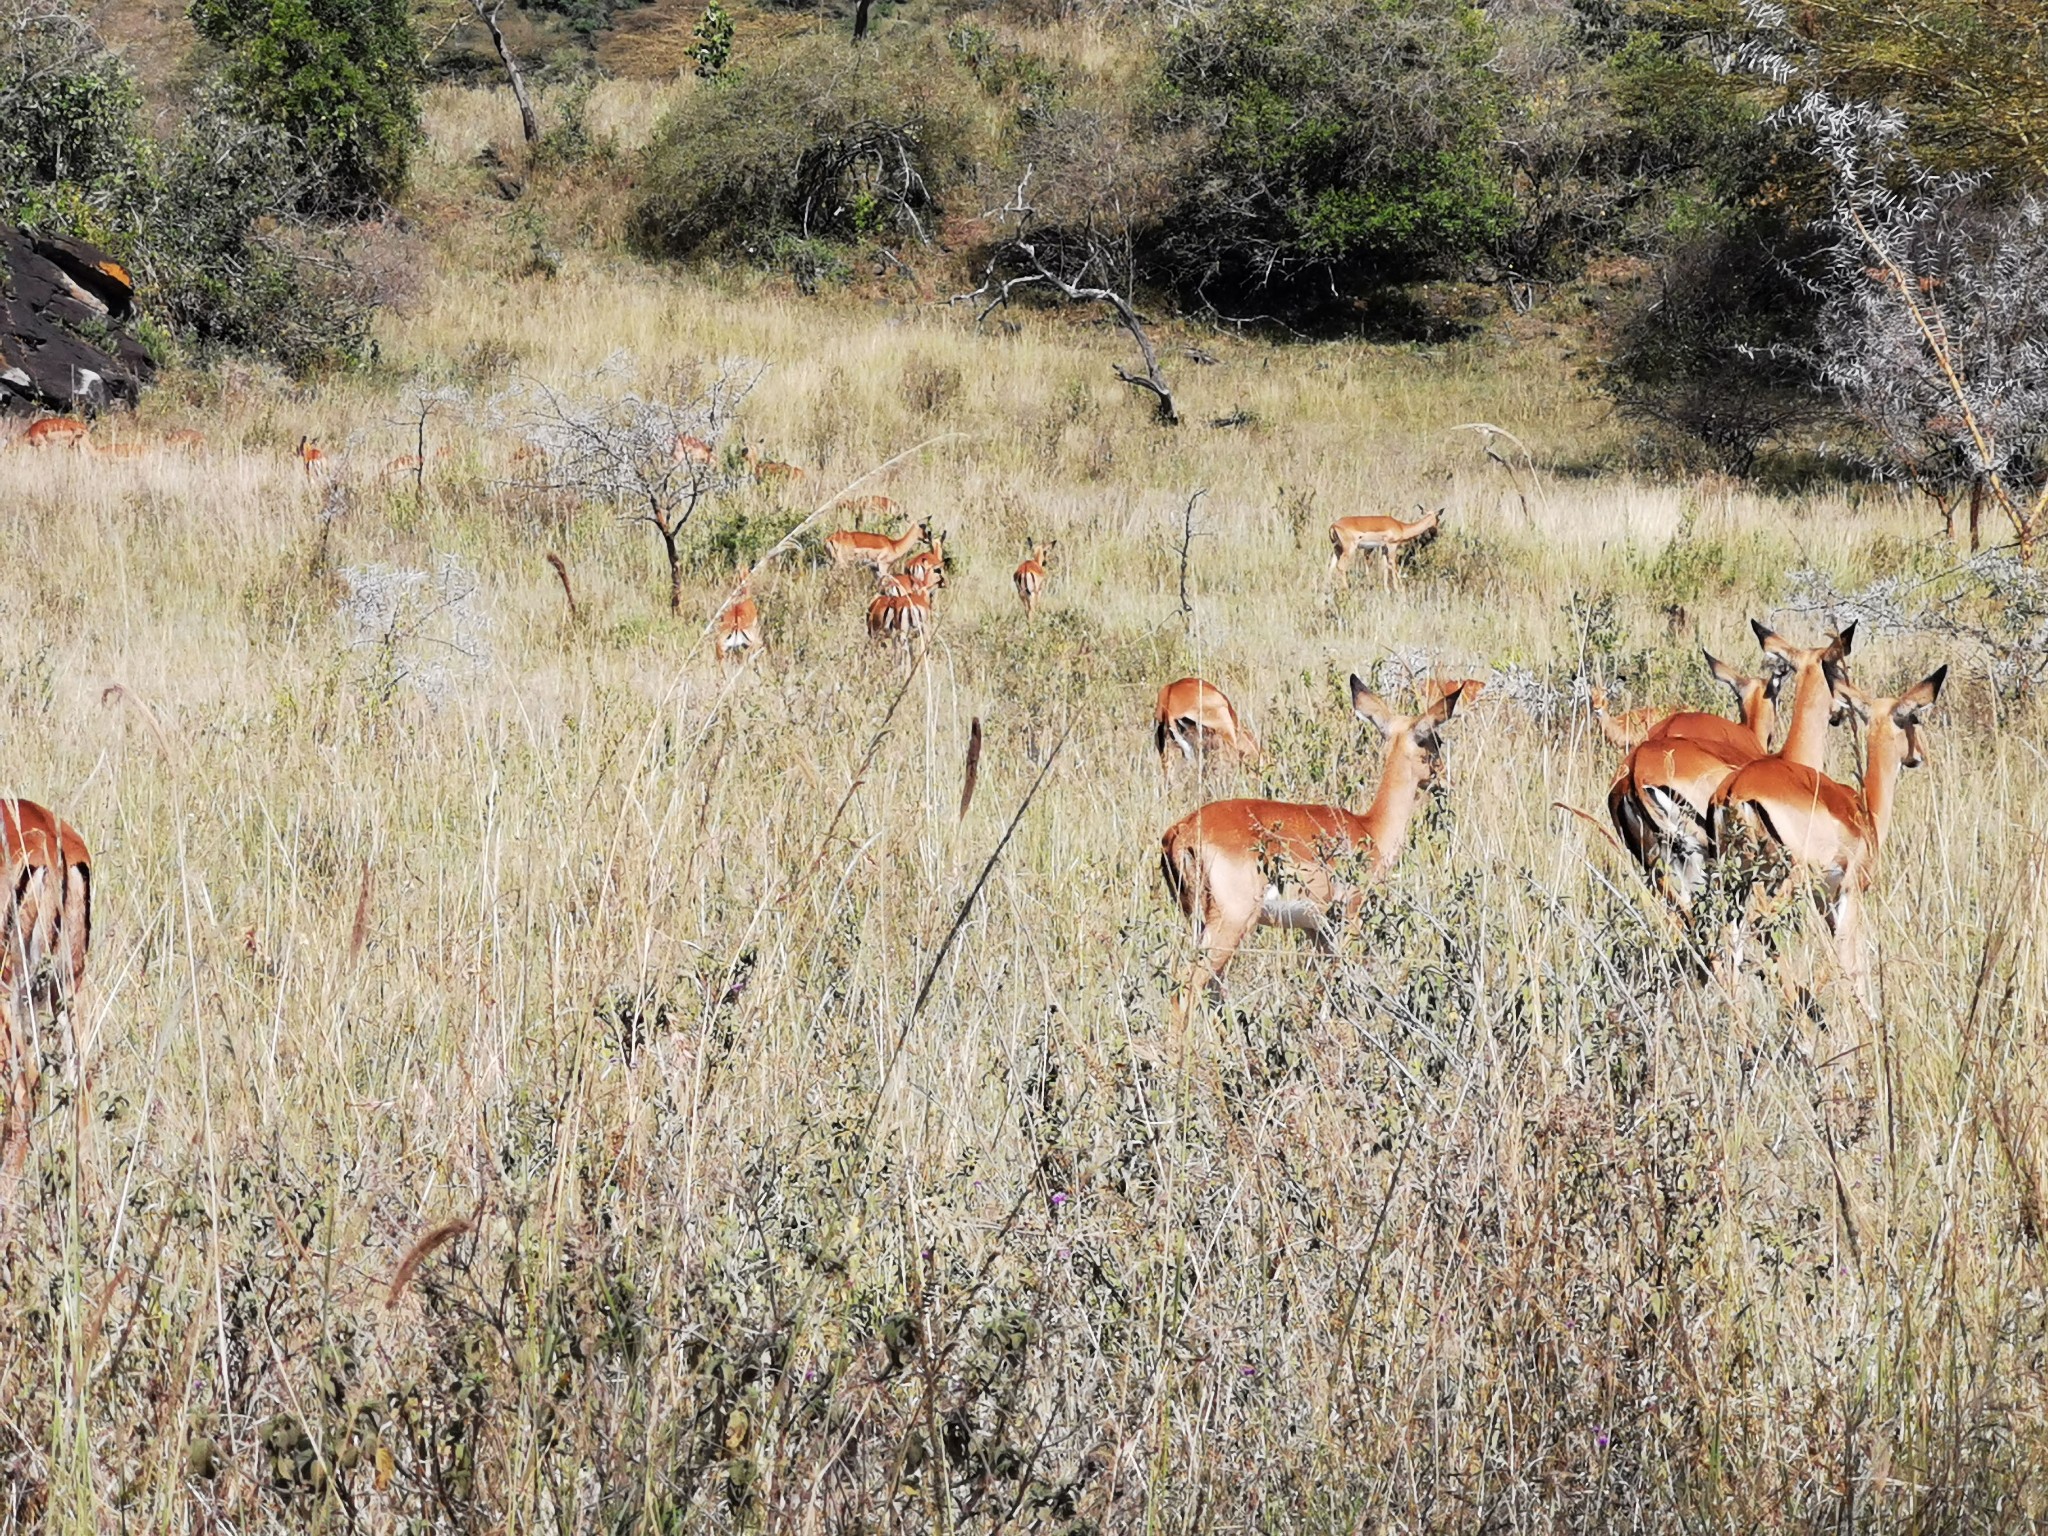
653, 461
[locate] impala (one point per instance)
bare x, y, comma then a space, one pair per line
187, 438
860, 506
1029, 577
767, 471
1467, 689
850, 547
1196, 717
902, 612
1626, 729
738, 630
1236, 864
309, 455
1826, 828
1659, 800
56, 432
691, 450
927, 569
1385, 536
42, 949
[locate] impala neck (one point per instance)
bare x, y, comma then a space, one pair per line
1887, 752
1760, 714
1387, 819
1806, 743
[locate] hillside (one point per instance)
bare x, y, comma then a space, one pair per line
532, 1074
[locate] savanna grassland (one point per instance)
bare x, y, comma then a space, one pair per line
825, 1159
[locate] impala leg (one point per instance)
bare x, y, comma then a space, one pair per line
1221, 936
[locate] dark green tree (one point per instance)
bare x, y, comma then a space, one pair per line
340, 77
1343, 144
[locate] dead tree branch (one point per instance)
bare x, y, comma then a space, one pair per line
1078, 265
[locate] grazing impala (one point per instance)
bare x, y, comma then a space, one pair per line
56, 432
770, 471
1826, 828
1236, 864
1196, 717
1659, 800
860, 506
738, 631
1030, 576
42, 948
849, 547
1384, 536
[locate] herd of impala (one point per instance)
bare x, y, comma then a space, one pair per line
1691, 788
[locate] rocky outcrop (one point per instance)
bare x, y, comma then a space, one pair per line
64, 312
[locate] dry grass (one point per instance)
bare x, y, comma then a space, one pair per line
1512, 1220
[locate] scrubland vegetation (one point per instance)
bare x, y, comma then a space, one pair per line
532, 1077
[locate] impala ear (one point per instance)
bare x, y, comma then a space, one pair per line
1849, 699
1439, 712
1838, 647
1723, 673
1775, 645
1919, 698
1371, 708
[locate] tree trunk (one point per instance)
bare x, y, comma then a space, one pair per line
528, 123
1976, 512
675, 568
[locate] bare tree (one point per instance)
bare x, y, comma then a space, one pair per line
529, 124
1091, 263
1933, 329
655, 462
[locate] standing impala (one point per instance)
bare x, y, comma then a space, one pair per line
1628, 728
1197, 718
1659, 800
739, 622
1029, 578
43, 944
56, 432
1825, 827
1384, 536
1236, 864
850, 547
927, 568
902, 606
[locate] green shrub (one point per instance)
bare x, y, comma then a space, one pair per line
821, 141
1711, 350
205, 219
1348, 144
339, 77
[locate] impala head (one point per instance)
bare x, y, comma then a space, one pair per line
1411, 739
1831, 655
1897, 719
1747, 690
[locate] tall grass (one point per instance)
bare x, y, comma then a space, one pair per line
1514, 1218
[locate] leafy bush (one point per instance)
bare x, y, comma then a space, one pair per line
1712, 348
340, 77
820, 141
1340, 145
205, 220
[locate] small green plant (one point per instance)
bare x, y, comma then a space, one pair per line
711, 45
